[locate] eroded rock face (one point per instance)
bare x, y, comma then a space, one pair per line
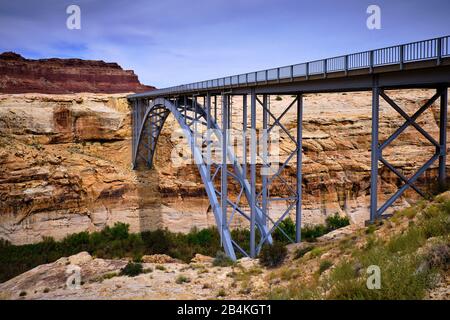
63, 172
20, 75
65, 164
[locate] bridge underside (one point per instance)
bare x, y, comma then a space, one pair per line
200, 110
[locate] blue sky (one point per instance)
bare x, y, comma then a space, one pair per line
169, 42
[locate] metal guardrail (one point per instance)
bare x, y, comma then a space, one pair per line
433, 49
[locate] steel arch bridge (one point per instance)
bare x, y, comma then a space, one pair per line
423, 64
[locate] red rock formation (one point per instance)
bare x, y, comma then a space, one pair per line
20, 75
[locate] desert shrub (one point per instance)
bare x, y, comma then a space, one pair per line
118, 232
325, 265
182, 279
288, 226
4, 243
221, 293
300, 252
156, 242
438, 256
203, 237
336, 222
131, 269
272, 255
309, 232
222, 260
278, 98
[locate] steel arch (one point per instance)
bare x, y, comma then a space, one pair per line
150, 126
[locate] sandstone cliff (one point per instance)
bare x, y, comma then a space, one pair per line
65, 164
20, 75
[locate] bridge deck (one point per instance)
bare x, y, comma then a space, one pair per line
419, 64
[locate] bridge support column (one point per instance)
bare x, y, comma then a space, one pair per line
374, 154
150, 140
443, 139
253, 152
224, 170
298, 205
265, 158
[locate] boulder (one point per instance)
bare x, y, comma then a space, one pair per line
158, 258
200, 258
80, 258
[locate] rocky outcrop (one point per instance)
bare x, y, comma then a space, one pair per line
100, 279
64, 165
20, 75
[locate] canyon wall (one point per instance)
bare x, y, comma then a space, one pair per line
20, 75
65, 164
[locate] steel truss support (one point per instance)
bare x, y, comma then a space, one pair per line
263, 198
377, 148
227, 208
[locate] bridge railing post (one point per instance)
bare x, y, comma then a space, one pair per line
402, 56
346, 65
439, 50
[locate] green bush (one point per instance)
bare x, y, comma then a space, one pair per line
272, 255
325, 265
336, 222
118, 242
131, 269
222, 260
182, 279
309, 232
300, 252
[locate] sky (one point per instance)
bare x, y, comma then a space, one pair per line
171, 42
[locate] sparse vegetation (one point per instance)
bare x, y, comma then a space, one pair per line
221, 293
182, 279
411, 257
310, 232
222, 260
300, 252
110, 243
273, 255
325, 265
132, 269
